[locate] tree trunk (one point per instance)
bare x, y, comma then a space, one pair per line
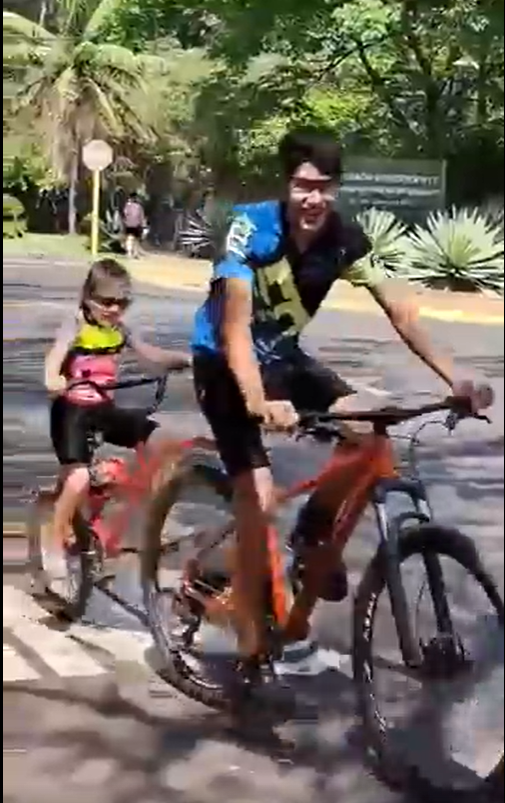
482, 90
43, 12
72, 192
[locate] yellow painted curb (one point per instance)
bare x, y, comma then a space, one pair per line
14, 529
195, 284
194, 278
461, 316
449, 316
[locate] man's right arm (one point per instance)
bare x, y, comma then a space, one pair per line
237, 342
233, 278
234, 283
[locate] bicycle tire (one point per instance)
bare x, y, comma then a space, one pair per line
174, 670
73, 606
417, 540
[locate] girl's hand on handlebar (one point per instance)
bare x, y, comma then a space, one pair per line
178, 361
56, 385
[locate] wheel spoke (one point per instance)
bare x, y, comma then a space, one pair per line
64, 573
187, 529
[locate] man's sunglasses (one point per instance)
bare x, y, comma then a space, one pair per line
109, 301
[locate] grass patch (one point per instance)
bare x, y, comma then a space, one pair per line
73, 248
70, 246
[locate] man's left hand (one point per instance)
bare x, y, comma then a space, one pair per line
481, 396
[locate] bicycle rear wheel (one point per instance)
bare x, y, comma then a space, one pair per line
417, 754
178, 526
62, 573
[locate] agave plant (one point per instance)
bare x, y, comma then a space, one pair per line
458, 250
494, 211
388, 236
205, 232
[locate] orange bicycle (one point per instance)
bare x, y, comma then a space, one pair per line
66, 573
441, 656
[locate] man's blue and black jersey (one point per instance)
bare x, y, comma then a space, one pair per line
288, 287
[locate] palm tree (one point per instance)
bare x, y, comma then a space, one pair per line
77, 86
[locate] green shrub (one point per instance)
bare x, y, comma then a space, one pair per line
390, 243
458, 250
14, 217
109, 238
494, 211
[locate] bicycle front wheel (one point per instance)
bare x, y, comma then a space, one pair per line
437, 727
189, 513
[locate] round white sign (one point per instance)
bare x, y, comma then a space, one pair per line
97, 154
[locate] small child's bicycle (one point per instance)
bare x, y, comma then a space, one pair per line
178, 615
67, 573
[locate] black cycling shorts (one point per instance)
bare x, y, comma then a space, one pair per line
73, 424
301, 379
134, 231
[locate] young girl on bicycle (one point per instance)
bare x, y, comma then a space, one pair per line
89, 346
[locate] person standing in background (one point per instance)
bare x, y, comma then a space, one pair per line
134, 220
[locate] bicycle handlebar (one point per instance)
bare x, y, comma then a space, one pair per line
385, 417
123, 384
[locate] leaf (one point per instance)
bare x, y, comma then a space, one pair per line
103, 12
390, 245
24, 55
205, 232
18, 27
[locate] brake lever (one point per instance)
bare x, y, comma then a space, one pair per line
454, 418
482, 417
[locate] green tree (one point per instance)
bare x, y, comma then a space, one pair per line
411, 53
76, 85
428, 72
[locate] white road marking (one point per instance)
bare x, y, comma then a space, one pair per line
120, 644
15, 667
23, 616
67, 654
29, 302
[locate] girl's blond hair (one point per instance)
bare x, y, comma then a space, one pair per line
105, 270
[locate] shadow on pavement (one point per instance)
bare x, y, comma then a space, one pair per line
140, 757
136, 755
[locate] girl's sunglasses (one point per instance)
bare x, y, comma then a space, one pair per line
110, 301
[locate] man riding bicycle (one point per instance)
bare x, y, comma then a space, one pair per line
280, 260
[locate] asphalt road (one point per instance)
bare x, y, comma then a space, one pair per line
82, 711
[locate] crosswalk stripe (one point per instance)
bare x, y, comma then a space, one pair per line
60, 653
121, 645
15, 667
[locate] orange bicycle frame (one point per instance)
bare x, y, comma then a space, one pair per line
369, 461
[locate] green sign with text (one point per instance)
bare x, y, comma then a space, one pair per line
409, 187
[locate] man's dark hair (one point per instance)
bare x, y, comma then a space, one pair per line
310, 144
